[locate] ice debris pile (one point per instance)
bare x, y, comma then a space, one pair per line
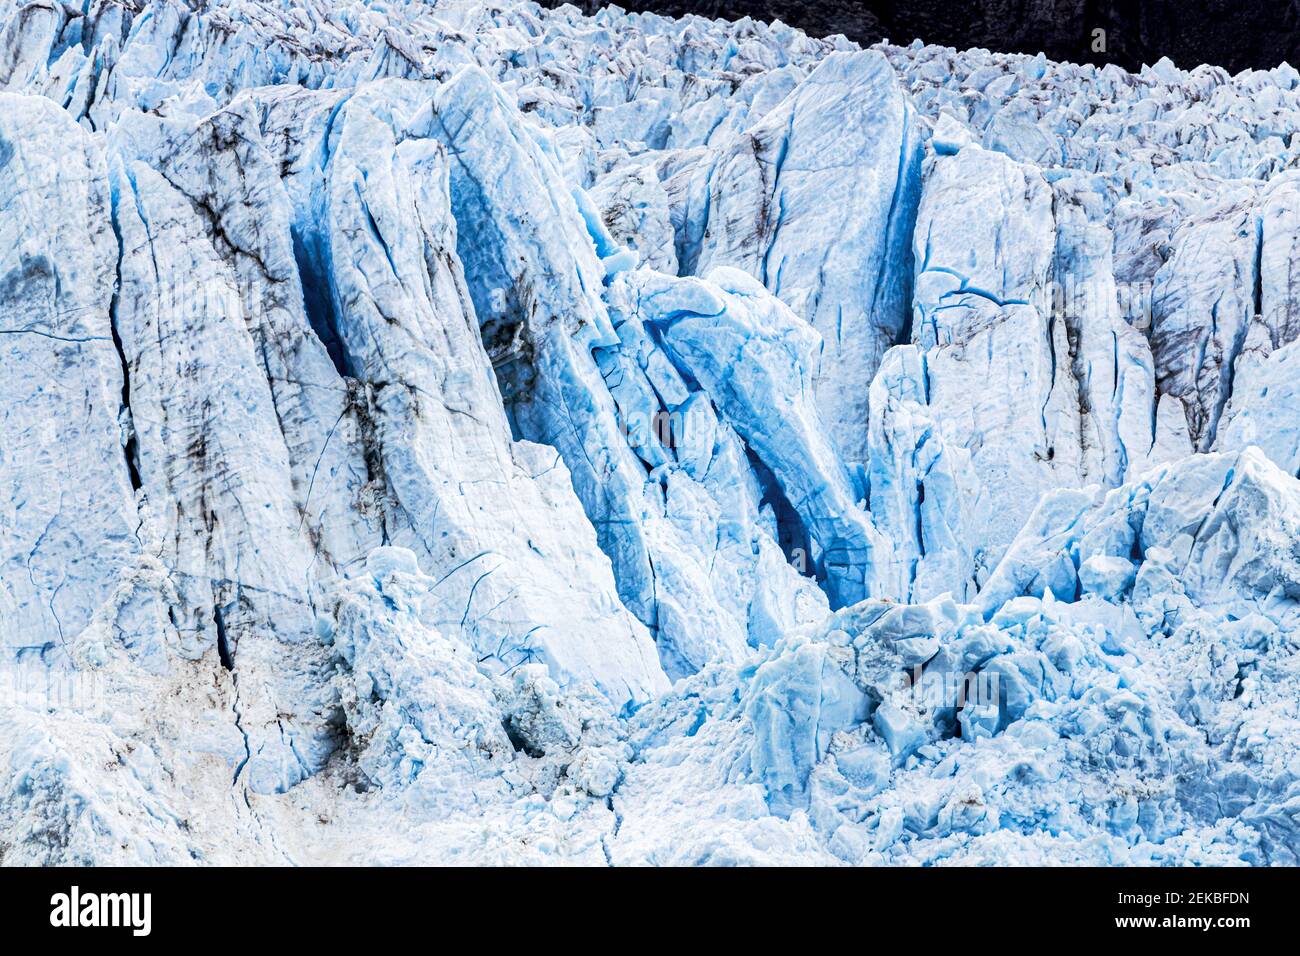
460, 432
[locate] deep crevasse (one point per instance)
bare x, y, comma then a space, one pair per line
624, 440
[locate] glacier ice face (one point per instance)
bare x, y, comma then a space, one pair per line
463, 433
818, 201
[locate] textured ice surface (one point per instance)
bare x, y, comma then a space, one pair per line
474, 433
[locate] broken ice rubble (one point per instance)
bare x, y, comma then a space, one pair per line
463, 433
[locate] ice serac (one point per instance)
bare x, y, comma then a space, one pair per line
984, 246
1260, 408
227, 170
1109, 363
215, 471
519, 575
1278, 287
1203, 303
536, 283
536, 259
28, 36
68, 521
754, 357
251, 477
817, 201
635, 207
1260, 411
919, 487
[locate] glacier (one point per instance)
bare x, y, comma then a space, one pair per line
445, 432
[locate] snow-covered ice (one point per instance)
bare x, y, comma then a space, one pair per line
459, 432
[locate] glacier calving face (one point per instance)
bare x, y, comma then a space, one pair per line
478, 433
